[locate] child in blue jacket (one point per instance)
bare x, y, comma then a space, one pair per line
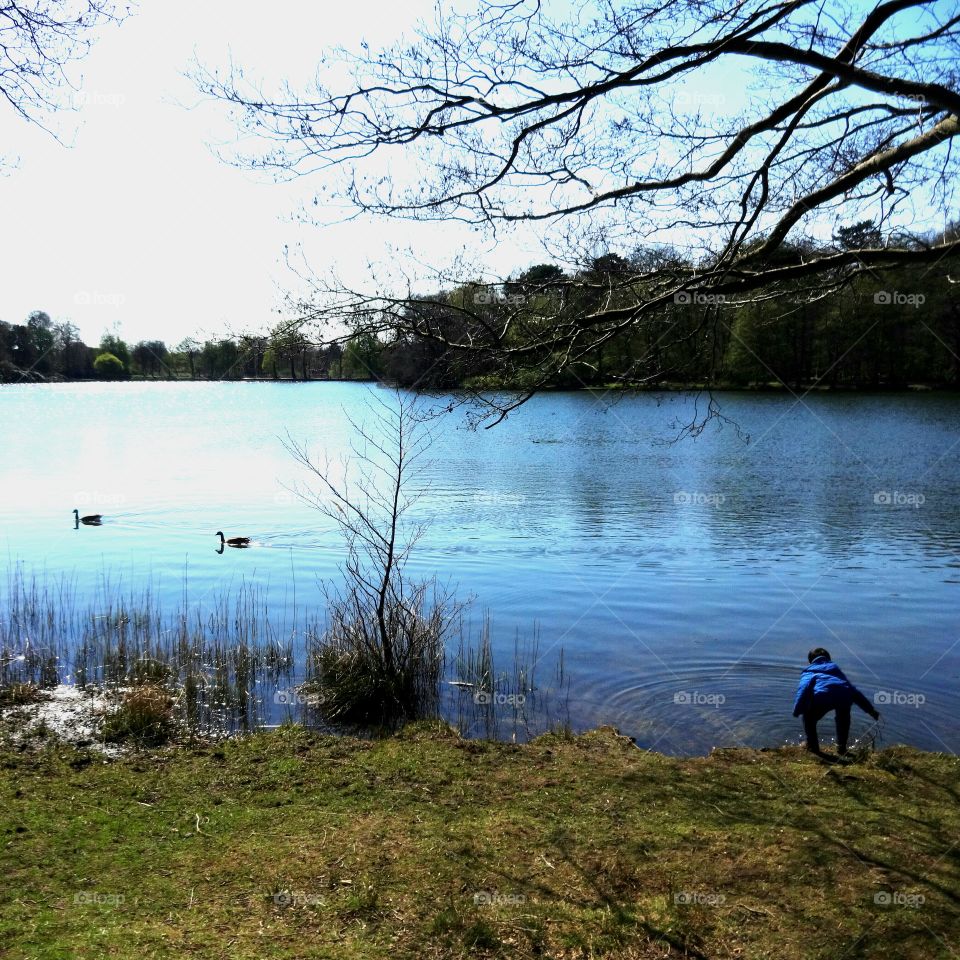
823, 688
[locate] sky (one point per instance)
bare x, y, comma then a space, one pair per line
138, 226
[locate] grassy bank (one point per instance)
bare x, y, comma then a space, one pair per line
290, 844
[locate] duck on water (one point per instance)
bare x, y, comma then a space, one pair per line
91, 520
238, 542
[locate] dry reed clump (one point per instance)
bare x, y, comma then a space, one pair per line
144, 717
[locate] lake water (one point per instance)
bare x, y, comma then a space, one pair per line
684, 581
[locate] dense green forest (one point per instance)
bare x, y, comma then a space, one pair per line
878, 330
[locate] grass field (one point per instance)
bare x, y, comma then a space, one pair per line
294, 845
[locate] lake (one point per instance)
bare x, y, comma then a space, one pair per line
684, 581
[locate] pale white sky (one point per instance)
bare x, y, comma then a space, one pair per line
138, 224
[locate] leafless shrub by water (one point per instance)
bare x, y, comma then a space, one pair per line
349, 672
380, 659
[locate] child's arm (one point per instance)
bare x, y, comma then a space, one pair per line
863, 703
803, 694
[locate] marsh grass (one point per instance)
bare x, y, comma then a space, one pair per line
18, 694
507, 702
217, 661
348, 671
223, 662
145, 717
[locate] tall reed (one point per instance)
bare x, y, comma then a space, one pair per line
221, 660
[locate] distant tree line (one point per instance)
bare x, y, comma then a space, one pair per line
878, 329
42, 350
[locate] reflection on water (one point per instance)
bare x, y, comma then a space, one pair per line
704, 567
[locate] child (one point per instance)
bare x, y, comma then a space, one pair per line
823, 688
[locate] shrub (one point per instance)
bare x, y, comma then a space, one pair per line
380, 660
109, 367
355, 683
145, 717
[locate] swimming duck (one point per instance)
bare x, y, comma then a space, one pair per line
233, 541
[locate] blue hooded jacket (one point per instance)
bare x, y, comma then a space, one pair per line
824, 685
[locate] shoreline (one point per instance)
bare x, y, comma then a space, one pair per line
666, 387
77, 717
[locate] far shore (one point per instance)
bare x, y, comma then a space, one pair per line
662, 387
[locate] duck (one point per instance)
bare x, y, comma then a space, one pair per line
232, 541
91, 520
